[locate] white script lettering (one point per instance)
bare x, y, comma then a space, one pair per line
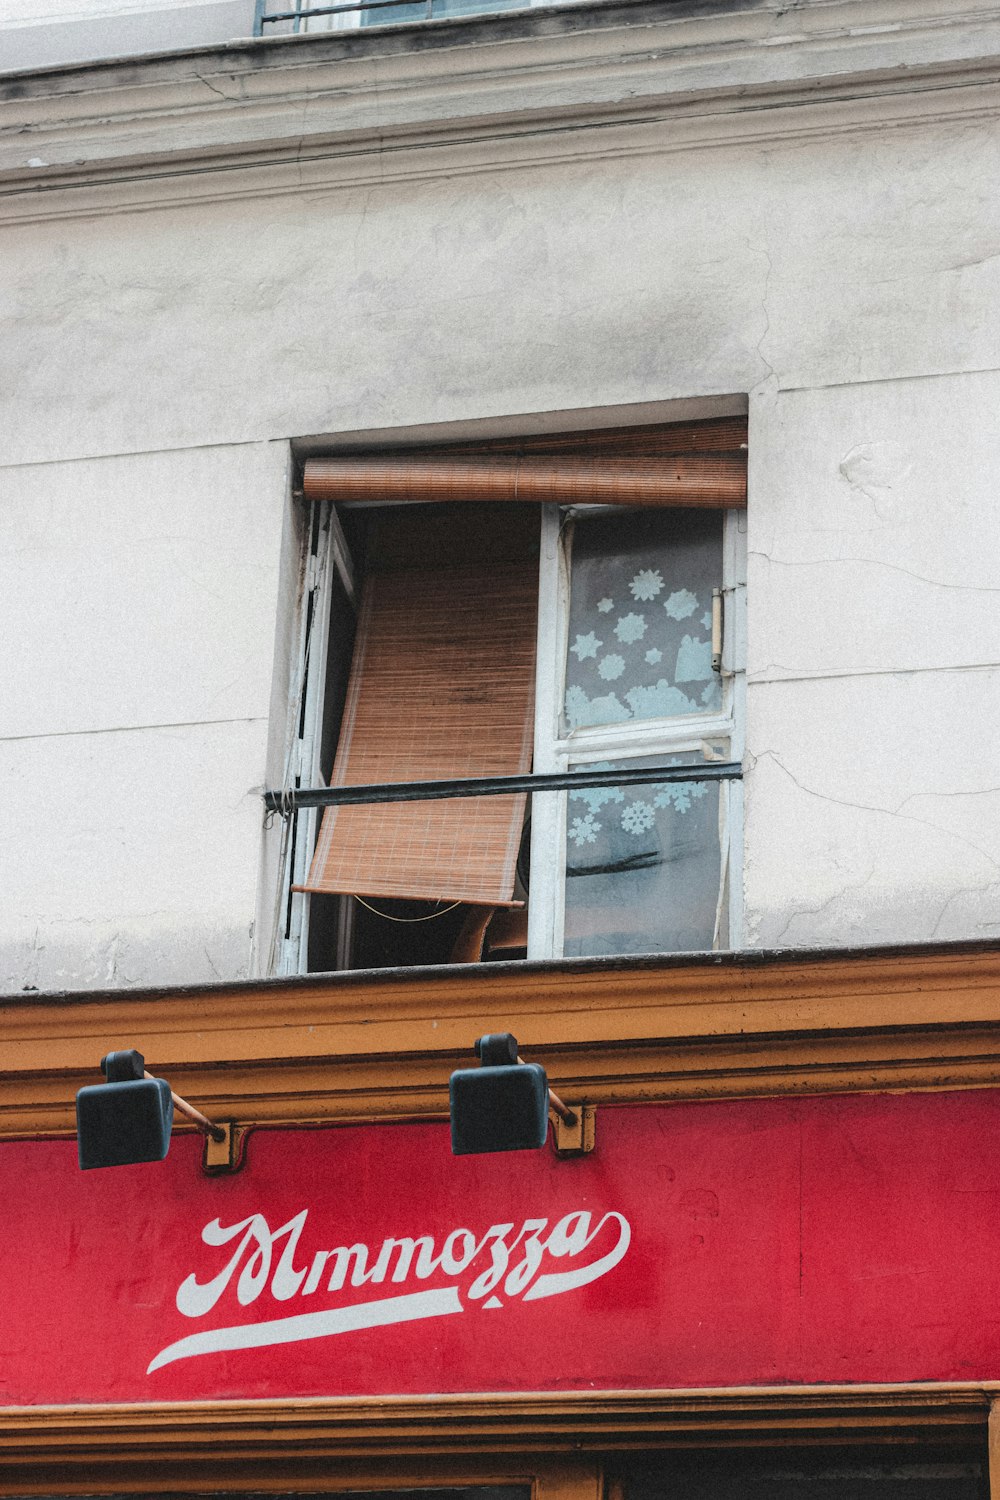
267, 1260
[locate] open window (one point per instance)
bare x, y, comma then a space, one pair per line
478, 637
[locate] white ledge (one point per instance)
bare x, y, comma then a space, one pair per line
535, 86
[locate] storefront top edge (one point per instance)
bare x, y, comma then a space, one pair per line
736, 967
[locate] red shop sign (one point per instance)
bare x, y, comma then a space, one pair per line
756, 1242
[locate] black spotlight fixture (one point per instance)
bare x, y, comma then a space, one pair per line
128, 1118
503, 1105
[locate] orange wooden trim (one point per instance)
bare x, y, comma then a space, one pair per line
576, 1478
993, 1445
184, 1457
344, 1444
368, 1046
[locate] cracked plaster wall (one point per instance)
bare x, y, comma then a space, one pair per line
140, 598
162, 359
874, 665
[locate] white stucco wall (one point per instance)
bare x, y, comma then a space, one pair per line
139, 611
58, 33
848, 262
846, 281
874, 577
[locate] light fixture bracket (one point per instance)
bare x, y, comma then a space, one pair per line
219, 1157
578, 1136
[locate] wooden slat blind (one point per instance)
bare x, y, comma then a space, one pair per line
685, 463
441, 685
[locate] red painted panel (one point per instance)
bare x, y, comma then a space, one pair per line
756, 1242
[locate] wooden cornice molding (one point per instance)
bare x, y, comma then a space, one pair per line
376, 1045
309, 113
326, 1444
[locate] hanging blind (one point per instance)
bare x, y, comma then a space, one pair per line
685, 463
441, 685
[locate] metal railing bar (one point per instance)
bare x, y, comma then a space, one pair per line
294, 798
334, 10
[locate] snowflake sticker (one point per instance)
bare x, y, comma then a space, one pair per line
576, 705
659, 701
584, 830
646, 584
654, 656
694, 660
586, 646
681, 604
676, 795
611, 666
706, 620
637, 817
679, 794
595, 797
605, 606
582, 711
630, 628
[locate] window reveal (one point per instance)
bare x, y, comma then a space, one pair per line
441, 686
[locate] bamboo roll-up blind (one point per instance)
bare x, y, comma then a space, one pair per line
686, 463
441, 685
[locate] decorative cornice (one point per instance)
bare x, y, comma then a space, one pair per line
484, 93
381, 1045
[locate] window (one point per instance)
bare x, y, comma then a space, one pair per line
481, 638
292, 17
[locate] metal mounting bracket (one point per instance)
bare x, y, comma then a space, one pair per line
227, 1154
578, 1137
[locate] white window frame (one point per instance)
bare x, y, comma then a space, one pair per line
327, 557
553, 751
556, 752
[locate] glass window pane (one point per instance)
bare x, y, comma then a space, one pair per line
643, 865
640, 626
395, 14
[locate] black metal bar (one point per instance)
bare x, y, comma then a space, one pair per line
330, 10
493, 786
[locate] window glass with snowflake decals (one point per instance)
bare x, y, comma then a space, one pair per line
644, 868
640, 621
643, 865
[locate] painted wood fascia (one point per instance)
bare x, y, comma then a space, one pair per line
291, 1445
373, 1046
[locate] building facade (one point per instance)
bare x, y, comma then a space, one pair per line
677, 322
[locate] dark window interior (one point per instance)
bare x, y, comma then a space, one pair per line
958, 1473
384, 933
